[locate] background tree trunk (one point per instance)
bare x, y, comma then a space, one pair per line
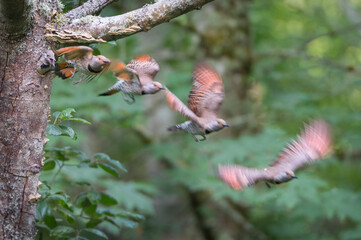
24, 109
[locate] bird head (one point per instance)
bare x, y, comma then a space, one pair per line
284, 176
215, 125
152, 88
100, 62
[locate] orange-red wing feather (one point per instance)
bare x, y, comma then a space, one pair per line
62, 65
121, 71
207, 93
143, 58
239, 177
145, 67
313, 144
178, 106
64, 70
76, 52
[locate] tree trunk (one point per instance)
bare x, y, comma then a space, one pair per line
24, 109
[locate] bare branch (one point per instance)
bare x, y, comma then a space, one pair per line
15, 17
88, 8
99, 29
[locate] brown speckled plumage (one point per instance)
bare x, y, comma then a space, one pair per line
135, 78
81, 59
204, 102
313, 144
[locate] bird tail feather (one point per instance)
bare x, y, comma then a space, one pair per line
174, 128
108, 93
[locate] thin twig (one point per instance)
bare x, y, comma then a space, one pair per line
57, 172
89, 8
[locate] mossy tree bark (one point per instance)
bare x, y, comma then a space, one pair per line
26, 31
24, 109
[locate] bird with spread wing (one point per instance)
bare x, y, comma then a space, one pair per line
135, 78
204, 102
80, 59
313, 144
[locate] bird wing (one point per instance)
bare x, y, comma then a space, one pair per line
145, 68
76, 52
207, 93
64, 70
313, 144
121, 71
178, 106
239, 177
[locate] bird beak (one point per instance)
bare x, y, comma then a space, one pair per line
162, 88
294, 176
52, 62
106, 61
225, 125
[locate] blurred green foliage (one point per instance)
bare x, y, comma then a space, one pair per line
283, 63
74, 213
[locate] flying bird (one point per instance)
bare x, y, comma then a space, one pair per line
135, 78
80, 59
313, 144
204, 102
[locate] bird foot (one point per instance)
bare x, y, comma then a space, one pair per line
199, 140
129, 100
268, 185
77, 82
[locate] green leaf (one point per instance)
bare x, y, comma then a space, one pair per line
42, 210
62, 199
42, 226
67, 214
50, 221
126, 222
130, 215
61, 230
90, 209
81, 200
56, 114
101, 156
94, 197
107, 200
117, 164
57, 153
53, 130
104, 158
106, 212
67, 131
93, 223
110, 220
79, 120
66, 114
61, 130
49, 165
109, 169
92, 234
